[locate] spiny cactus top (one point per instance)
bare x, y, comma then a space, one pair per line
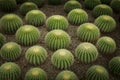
72, 4
97, 72
8, 5
38, 2
114, 65
102, 9
10, 51
115, 4
36, 55
27, 6
57, 22
35, 17
57, 39
66, 75
36, 74
105, 23
86, 52
62, 59
88, 32
27, 35
10, 71
10, 23
77, 16
106, 45
90, 4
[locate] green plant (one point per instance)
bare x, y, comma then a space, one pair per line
105, 1
66, 75
54, 2
9, 71
114, 65
90, 4
57, 39
62, 59
36, 74
77, 16
88, 32
21, 1
10, 51
105, 23
97, 72
72, 4
10, 23
57, 22
102, 9
27, 6
27, 35
36, 55
86, 52
39, 3
35, 17
106, 45
2, 40
8, 5
115, 4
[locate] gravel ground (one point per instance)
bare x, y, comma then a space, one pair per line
79, 68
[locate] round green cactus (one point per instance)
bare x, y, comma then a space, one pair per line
72, 4
35, 17
36, 55
54, 2
115, 4
27, 6
27, 35
36, 74
90, 4
39, 3
97, 72
57, 22
20, 1
10, 23
62, 59
106, 45
105, 23
57, 39
77, 16
66, 75
88, 32
2, 40
9, 71
102, 9
8, 5
105, 1
86, 52
10, 51
114, 65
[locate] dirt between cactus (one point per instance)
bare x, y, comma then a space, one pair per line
78, 68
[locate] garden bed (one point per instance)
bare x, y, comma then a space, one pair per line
78, 68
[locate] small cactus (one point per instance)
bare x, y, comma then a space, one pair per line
62, 59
